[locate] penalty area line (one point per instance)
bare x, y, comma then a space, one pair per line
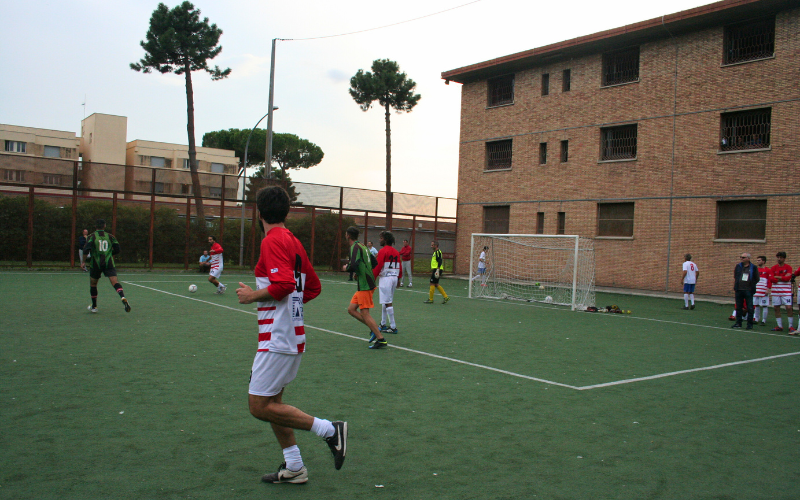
422, 353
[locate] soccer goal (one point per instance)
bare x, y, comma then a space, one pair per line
552, 269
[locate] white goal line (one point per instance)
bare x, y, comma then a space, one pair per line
490, 368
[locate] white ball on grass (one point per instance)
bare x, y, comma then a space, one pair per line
192, 288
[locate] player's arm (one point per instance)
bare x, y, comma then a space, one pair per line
787, 276
352, 266
683, 276
247, 295
439, 259
379, 266
312, 287
115, 248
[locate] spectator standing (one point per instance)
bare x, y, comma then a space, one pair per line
405, 254
81, 244
745, 281
372, 249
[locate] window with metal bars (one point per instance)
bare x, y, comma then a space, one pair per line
562, 222
566, 80
545, 83
615, 219
742, 220
749, 41
51, 179
618, 143
621, 66
14, 175
744, 130
542, 153
495, 219
564, 151
539, 222
498, 154
501, 90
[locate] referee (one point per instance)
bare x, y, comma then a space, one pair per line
437, 266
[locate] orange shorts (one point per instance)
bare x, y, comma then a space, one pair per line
363, 299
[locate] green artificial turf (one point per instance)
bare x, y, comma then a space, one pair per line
153, 404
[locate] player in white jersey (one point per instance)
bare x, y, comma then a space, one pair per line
481, 267
389, 271
690, 274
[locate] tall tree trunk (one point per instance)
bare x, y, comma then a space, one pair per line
389, 200
198, 192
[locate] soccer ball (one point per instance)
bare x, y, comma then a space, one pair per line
548, 299
192, 288
541, 287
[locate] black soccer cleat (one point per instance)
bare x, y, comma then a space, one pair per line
379, 344
285, 475
126, 305
338, 443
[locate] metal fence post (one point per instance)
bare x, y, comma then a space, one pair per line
30, 227
413, 241
74, 214
253, 239
313, 227
152, 214
114, 214
338, 253
188, 232
366, 226
222, 212
436, 221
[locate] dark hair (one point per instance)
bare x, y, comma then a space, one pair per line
352, 232
781, 254
273, 204
486, 248
388, 237
435, 243
762, 258
212, 237
369, 243
100, 223
405, 241
688, 256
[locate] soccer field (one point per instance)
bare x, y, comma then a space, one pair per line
475, 399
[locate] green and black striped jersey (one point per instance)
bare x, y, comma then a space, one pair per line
102, 247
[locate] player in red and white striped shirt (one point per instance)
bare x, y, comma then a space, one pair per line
390, 273
285, 281
216, 265
761, 297
782, 291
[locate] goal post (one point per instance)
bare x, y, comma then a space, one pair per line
551, 269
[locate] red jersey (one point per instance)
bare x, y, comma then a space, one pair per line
405, 253
764, 281
283, 269
782, 280
216, 255
388, 263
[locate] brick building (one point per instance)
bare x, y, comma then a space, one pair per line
673, 135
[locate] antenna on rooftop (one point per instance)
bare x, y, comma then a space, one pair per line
84, 106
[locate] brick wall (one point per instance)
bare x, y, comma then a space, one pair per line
684, 191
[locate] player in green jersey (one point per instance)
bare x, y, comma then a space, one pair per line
101, 247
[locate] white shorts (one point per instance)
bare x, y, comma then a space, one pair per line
761, 301
272, 372
216, 272
781, 300
386, 286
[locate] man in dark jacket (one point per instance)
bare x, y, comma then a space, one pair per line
745, 279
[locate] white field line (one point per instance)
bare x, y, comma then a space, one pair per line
505, 372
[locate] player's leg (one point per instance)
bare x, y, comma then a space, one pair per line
359, 309
94, 277
112, 277
686, 289
757, 307
433, 281
776, 306
387, 300
764, 310
790, 313
213, 278
739, 309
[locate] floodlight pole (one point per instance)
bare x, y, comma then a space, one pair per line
268, 156
244, 189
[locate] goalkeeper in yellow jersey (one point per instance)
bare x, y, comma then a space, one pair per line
437, 266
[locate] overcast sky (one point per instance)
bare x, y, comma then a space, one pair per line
54, 53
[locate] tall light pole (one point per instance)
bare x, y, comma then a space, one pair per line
268, 155
244, 183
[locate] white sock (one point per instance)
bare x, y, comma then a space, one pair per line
291, 456
691, 297
734, 313
686, 300
383, 314
791, 318
390, 312
322, 428
764, 312
780, 322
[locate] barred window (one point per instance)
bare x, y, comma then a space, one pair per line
215, 192
501, 90
615, 219
539, 222
564, 151
745, 130
618, 143
621, 66
566, 81
562, 221
542, 153
160, 188
750, 41
495, 220
545, 83
51, 179
498, 154
14, 175
187, 189
742, 220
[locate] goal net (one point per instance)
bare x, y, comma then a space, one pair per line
552, 269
